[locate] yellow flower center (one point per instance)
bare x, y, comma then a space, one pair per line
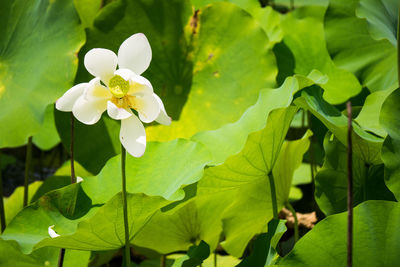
119, 89
118, 86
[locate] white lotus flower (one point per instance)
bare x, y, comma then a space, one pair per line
120, 91
51, 232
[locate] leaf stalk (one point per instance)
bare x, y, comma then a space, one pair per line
28, 161
349, 187
127, 252
273, 195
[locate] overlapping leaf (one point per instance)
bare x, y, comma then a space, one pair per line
331, 180
367, 49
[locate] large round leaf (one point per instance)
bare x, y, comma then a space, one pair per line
231, 63
376, 239
162, 171
38, 45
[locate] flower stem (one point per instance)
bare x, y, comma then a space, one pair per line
273, 195
2, 213
127, 251
215, 258
398, 47
27, 170
296, 221
163, 261
349, 188
71, 150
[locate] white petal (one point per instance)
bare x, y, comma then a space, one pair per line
96, 91
163, 117
101, 63
79, 179
135, 53
147, 106
138, 84
133, 136
51, 232
117, 113
126, 74
89, 111
67, 101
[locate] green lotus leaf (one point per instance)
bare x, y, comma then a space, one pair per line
376, 238
242, 183
11, 255
110, 233
365, 145
389, 119
39, 41
88, 138
331, 180
231, 61
265, 244
63, 207
305, 39
14, 203
381, 17
183, 226
367, 49
162, 171
47, 137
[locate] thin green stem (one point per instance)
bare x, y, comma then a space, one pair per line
73, 178
291, 4
127, 251
296, 221
163, 261
2, 213
215, 258
71, 150
398, 47
27, 170
273, 195
349, 187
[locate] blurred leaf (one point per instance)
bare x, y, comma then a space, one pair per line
14, 203
11, 255
102, 137
365, 145
65, 170
381, 17
331, 180
390, 121
376, 238
242, 183
368, 56
87, 10
289, 159
47, 137
195, 256
38, 45
305, 38
163, 170
264, 245
231, 63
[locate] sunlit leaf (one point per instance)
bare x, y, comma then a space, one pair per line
38, 45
